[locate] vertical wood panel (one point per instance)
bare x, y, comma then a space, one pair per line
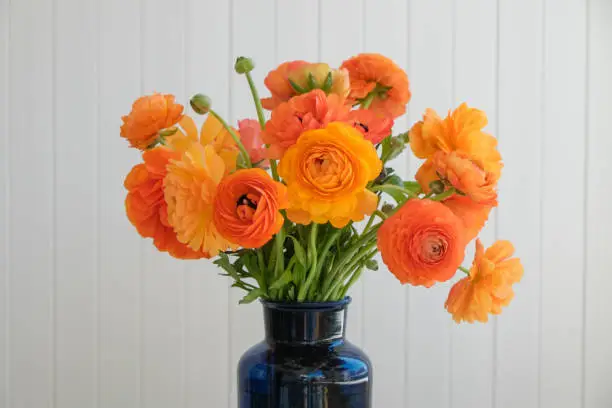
384, 337
341, 40
598, 348
297, 38
208, 66
253, 30
119, 243
162, 280
76, 199
520, 128
430, 27
31, 226
475, 82
562, 251
4, 202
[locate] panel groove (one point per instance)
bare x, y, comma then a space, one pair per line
141, 243
54, 199
230, 315
96, 203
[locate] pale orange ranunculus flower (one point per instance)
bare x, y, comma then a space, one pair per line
462, 173
150, 114
250, 136
247, 207
327, 172
278, 81
190, 188
374, 126
488, 287
313, 110
473, 215
212, 133
462, 132
145, 205
422, 243
377, 73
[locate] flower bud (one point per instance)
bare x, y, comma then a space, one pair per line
244, 65
200, 103
437, 186
168, 132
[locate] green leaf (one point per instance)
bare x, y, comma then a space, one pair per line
251, 296
311, 81
398, 196
297, 88
299, 274
327, 85
413, 186
395, 180
300, 254
284, 279
371, 264
250, 262
224, 263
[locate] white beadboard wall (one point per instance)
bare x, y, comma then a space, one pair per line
92, 317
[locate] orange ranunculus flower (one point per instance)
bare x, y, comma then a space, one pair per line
327, 172
247, 207
422, 243
250, 136
374, 126
190, 188
473, 215
460, 131
212, 133
462, 173
278, 81
488, 287
376, 73
149, 115
289, 120
145, 205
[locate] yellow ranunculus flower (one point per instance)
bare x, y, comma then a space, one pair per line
327, 172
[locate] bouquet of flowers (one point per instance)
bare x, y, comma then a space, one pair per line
295, 207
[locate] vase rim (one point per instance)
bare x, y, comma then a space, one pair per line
311, 306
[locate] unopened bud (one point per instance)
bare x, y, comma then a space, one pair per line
244, 65
387, 208
200, 103
168, 132
437, 186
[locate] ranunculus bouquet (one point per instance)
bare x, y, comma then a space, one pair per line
295, 207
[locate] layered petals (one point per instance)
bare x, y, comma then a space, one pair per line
327, 172
145, 205
374, 126
247, 207
488, 287
422, 243
149, 115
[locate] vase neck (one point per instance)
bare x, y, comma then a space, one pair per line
305, 323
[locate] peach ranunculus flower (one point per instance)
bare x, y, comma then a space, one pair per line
373, 125
327, 172
145, 205
306, 77
488, 287
473, 215
289, 120
190, 188
382, 79
212, 133
247, 207
150, 114
460, 172
461, 132
422, 243
250, 136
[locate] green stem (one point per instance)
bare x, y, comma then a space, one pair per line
322, 256
256, 100
280, 258
274, 170
245, 154
365, 104
391, 187
381, 215
444, 195
262, 268
464, 270
312, 250
351, 282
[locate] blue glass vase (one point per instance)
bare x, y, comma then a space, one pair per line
305, 361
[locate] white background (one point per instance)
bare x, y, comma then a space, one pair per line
92, 316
